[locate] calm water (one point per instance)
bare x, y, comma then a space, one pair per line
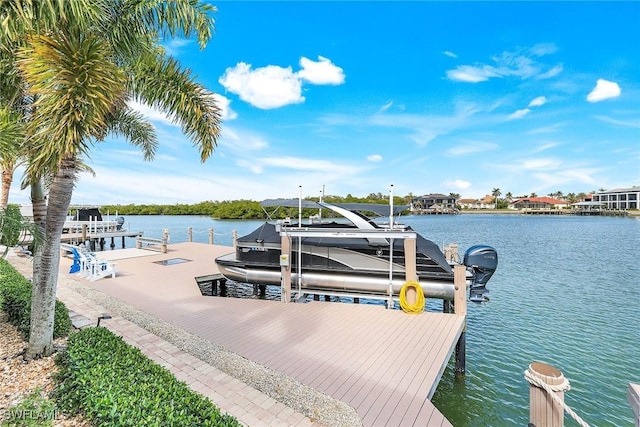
565, 293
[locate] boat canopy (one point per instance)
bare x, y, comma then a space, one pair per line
378, 209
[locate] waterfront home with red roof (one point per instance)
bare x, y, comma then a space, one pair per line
543, 202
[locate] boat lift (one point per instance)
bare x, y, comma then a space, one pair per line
409, 237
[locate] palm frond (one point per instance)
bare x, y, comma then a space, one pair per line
160, 82
12, 132
178, 17
138, 131
77, 88
19, 17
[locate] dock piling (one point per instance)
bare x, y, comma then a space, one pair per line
633, 394
460, 309
544, 409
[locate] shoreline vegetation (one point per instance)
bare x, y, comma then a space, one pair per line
249, 209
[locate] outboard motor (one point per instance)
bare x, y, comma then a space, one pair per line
119, 222
481, 261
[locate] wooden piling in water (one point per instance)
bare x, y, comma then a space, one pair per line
460, 309
633, 395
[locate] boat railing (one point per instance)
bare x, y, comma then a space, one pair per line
91, 226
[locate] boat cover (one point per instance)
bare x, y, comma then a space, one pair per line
379, 209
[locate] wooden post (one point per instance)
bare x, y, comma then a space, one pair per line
189, 234
460, 309
285, 268
543, 409
411, 274
633, 394
235, 239
211, 236
84, 232
165, 239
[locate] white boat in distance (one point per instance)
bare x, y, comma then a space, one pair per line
352, 256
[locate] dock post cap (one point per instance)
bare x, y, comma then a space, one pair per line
542, 369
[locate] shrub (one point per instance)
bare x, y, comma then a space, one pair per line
34, 411
15, 300
114, 384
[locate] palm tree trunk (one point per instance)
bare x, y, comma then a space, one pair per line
7, 177
46, 268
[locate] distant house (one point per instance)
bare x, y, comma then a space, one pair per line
433, 201
537, 203
619, 198
487, 202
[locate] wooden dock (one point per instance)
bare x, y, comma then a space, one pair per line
576, 212
386, 364
99, 239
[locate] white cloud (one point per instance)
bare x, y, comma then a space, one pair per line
522, 63
374, 158
323, 72
545, 147
540, 164
470, 148
449, 54
538, 102
458, 184
385, 107
604, 90
150, 113
519, 114
550, 73
472, 74
224, 103
632, 123
274, 86
251, 165
299, 163
542, 49
175, 46
267, 87
242, 140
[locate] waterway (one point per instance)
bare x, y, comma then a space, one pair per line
566, 292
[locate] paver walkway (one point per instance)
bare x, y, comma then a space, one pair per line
250, 406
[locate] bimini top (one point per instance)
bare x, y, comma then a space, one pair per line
378, 209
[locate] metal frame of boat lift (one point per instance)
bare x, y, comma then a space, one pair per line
390, 233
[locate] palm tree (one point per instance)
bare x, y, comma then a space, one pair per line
496, 193
82, 62
11, 135
455, 196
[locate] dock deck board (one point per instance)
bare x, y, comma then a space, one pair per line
384, 363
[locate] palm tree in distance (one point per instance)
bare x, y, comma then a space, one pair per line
82, 62
11, 135
495, 193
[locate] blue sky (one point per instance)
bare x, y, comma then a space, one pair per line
444, 97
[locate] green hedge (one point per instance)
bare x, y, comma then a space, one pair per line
15, 300
114, 384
